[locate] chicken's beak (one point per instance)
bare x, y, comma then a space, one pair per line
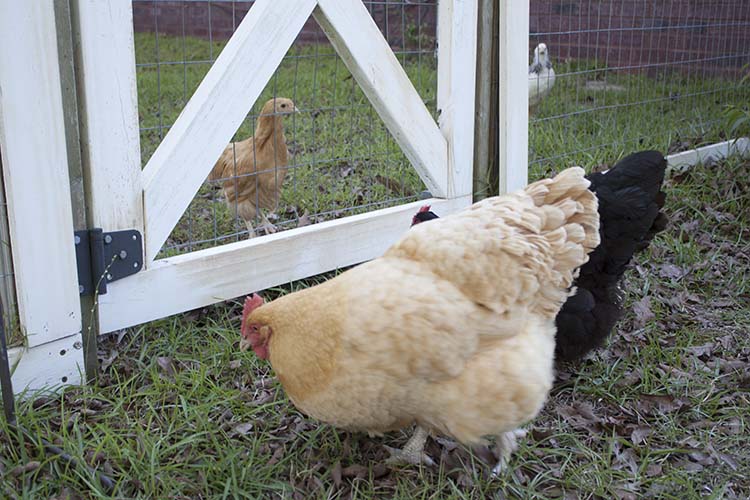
244, 344
296, 109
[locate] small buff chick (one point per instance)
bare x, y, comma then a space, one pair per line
253, 171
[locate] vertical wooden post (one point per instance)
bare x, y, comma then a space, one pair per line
456, 89
486, 130
108, 112
37, 188
108, 170
89, 320
513, 120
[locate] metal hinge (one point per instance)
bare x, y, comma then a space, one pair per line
106, 257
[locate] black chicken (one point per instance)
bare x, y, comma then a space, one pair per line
630, 203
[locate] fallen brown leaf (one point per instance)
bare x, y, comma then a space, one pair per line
653, 470
336, 474
354, 470
277, 454
672, 271
648, 403
702, 351
643, 313
166, 365
639, 434
23, 469
241, 429
107, 362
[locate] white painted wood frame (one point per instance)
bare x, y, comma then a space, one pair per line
110, 139
442, 155
32, 139
366, 53
192, 145
193, 280
514, 95
456, 92
707, 154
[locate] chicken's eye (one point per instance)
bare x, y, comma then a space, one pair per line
283, 105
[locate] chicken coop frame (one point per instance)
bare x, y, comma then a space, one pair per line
71, 159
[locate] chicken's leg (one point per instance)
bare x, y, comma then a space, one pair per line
250, 230
413, 452
507, 443
267, 226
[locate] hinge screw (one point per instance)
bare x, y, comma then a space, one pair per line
78, 240
80, 288
108, 239
135, 237
135, 264
109, 277
123, 254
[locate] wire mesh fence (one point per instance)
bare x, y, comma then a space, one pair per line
7, 283
635, 74
341, 159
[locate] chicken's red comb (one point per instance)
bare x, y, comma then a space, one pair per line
425, 208
252, 302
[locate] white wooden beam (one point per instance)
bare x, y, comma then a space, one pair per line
32, 140
457, 55
713, 152
215, 111
232, 270
366, 53
109, 112
47, 366
514, 95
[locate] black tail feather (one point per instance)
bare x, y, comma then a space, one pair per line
630, 203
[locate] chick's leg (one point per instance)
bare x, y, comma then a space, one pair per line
507, 443
413, 452
267, 226
246, 211
250, 230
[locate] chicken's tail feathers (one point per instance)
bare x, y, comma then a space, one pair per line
630, 208
570, 225
631, 200
567, 202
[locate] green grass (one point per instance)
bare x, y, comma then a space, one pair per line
661, 412
344, 161
671, 112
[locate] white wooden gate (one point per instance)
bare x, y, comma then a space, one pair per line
152, 199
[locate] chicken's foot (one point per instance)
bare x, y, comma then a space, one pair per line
266, 225
507, 443
413, 452
250, 230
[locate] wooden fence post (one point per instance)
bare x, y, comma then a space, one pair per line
63, 21
486, 130
35, 171
513, 120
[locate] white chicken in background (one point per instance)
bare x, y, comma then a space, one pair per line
541, 76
